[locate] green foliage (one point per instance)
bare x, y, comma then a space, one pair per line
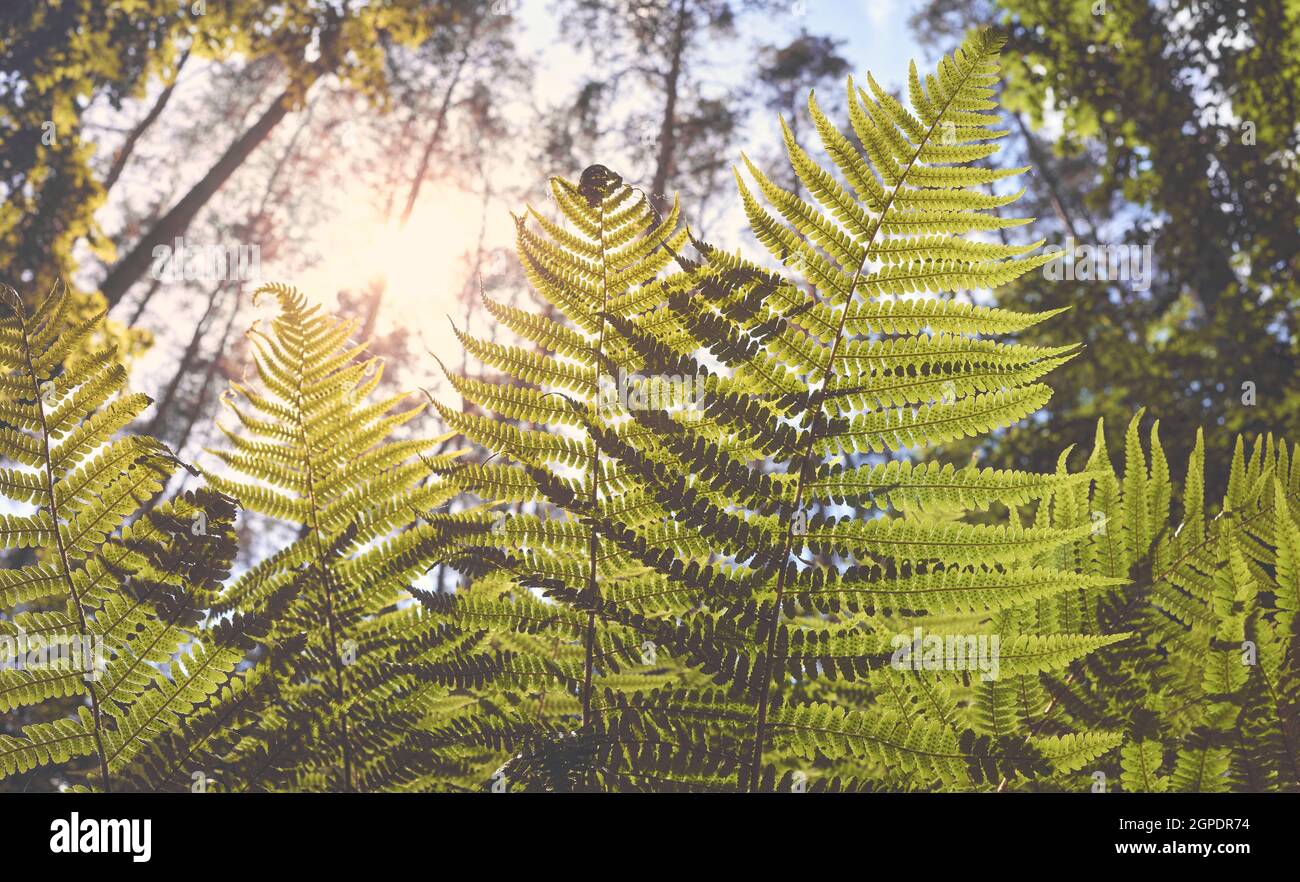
117, 591
709, 547
51, 193
726, 517
350, 668
1111, 97
1209, 693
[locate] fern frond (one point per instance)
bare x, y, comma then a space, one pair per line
118, 593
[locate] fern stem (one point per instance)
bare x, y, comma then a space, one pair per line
541, 704
64, 563
340, 687
332, 624
749, 779
1037, 727
593, 588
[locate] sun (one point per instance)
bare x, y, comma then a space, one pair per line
424, 261
422, 264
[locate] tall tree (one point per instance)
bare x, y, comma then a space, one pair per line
57, 59
313, 40
1172, 126
63, 58
787, 73
679, 132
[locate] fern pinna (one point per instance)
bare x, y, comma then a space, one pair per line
116, 590
694, 465
350, 670
1209, 696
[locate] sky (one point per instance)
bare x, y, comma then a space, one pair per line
421, 262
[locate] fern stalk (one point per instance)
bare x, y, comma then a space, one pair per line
696, 522
313, 513
593, 501
65, 566
756, 760
129, 577
352, 662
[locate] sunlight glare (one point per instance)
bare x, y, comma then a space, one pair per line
423, 264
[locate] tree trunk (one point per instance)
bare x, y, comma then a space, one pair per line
129, 269
208, 376
144, 302
439, 126
184, 367
1043, 167
430, 146
128, 146
668, 127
